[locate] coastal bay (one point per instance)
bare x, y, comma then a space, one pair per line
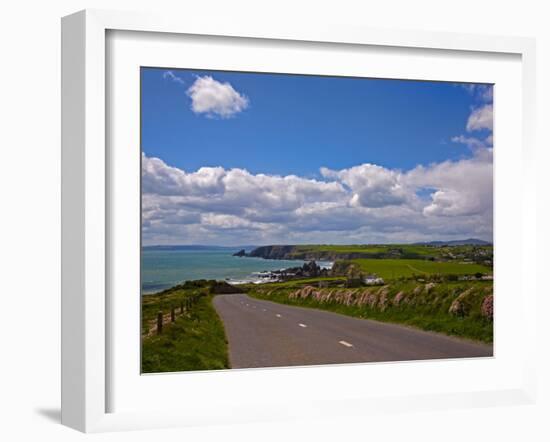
164, 267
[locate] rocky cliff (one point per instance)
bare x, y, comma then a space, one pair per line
297, 252
274, 252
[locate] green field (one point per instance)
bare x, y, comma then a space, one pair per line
369, 248
396, 268
402, 250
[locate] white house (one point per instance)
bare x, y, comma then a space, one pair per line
372, 280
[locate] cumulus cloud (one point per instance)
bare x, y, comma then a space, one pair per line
159, 178
480, 118
371, 185
365, 203
213, 98
463, 188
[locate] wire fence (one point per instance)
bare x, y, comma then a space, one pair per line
165, 318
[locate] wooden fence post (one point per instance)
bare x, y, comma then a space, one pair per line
159, 323
173, 314
181, 308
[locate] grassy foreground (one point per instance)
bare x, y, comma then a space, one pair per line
461, 309
195, 341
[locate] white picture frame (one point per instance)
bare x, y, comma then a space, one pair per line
86, 211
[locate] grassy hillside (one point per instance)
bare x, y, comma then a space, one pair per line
477, 253
370, 249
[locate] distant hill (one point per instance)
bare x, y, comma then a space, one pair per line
328, 252
196, 247
187, 247
457, 242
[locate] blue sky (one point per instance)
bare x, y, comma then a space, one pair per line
250, 158
297, 124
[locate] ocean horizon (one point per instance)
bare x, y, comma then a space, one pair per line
163, 267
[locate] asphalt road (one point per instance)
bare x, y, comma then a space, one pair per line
268, 334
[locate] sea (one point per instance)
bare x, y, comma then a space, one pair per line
165, 266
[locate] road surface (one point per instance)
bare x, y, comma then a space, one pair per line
268, 334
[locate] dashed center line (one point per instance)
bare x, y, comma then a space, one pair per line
278, 315
344, 343
264, 310
302, 325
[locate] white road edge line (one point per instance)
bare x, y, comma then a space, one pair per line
302, 325
346, 344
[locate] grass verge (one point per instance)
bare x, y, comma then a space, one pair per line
195, 341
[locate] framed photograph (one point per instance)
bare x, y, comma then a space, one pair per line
252, 212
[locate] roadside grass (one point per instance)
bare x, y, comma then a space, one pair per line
300, 282
427, 311
195, 341
164, 301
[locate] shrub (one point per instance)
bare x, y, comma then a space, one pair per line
487, 307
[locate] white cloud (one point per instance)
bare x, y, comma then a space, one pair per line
365, 203
463, 188
479, 146
213, 98
481, 118
371, 185
482, 92
161, 179
171, 76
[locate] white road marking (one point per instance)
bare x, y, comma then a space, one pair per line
302, 325
264, 310
278, 315
347, 344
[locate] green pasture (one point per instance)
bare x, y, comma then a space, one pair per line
397, 268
